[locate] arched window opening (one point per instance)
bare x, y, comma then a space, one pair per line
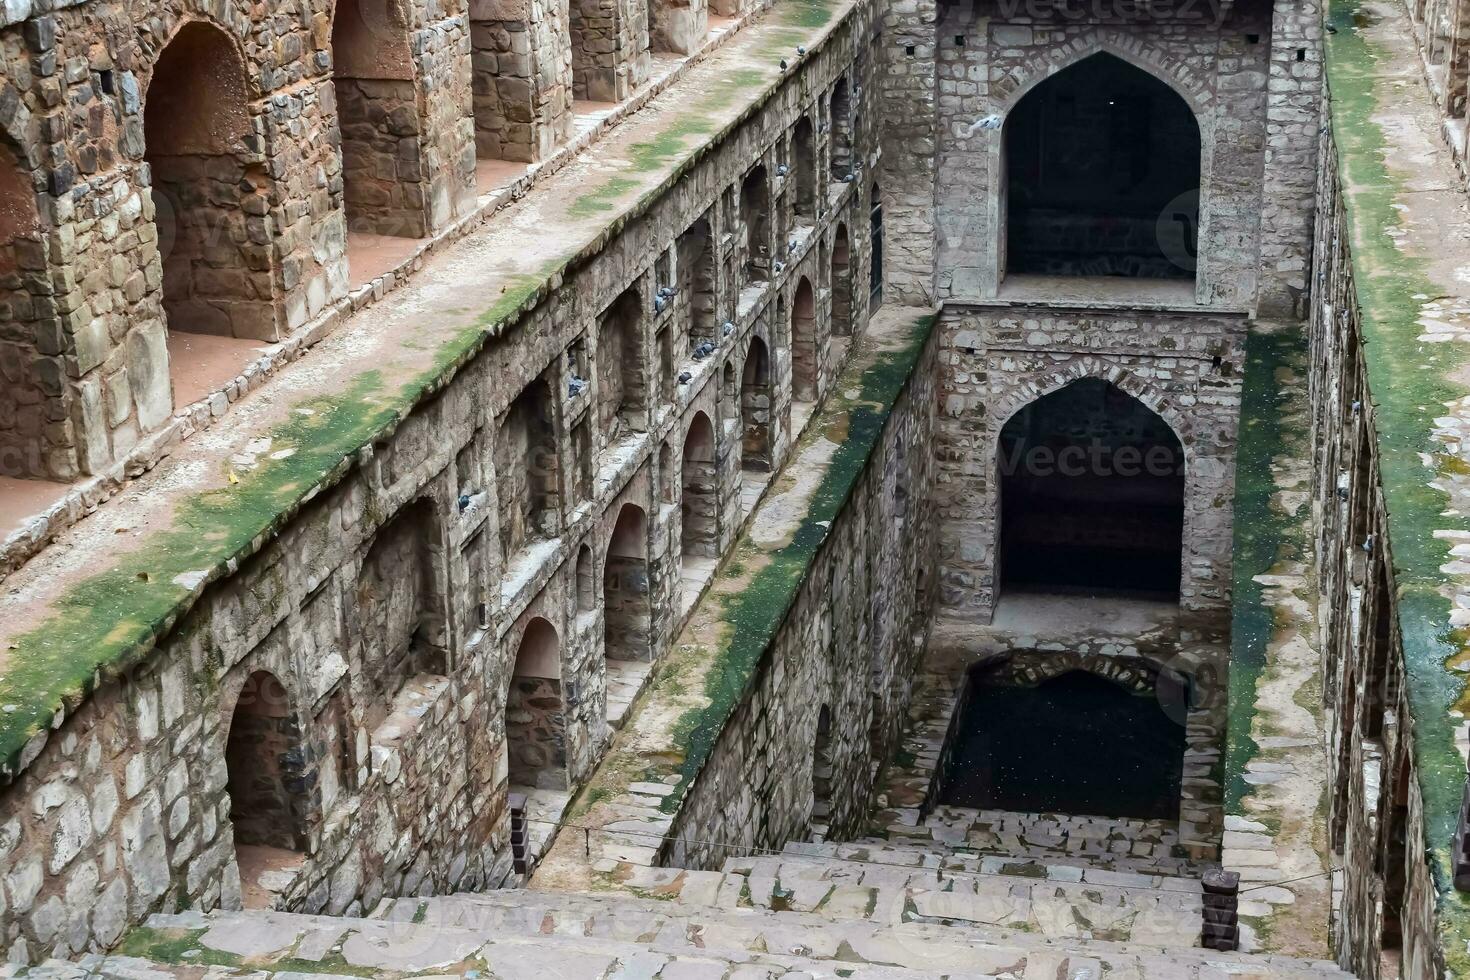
265, 765
696, 273
1076, 743
535, 716
1092, 496
1393, 862
755, 218
804, 361
400, 628
841, 131
586, 588
207, 187
620, 372
804, 155
875, 271
755, 409
384, 176
822, 776
626, 610
841, 284
1102, 176
700, 482
527, 470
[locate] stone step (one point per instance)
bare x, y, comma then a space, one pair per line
682, 921
1070, 903
257, 944
885, 852
1118, 843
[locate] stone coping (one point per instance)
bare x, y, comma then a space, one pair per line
85, 496
629, 804
1406, 211
95, 605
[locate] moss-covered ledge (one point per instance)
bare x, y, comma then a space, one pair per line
67, 629
630, 803
1398, 187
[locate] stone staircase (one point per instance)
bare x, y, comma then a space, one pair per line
1118, 844
799, 915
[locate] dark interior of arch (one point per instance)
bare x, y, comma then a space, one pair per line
1077, 743
1092, 496
1103, 175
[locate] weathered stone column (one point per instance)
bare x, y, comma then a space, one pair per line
522, 78
609, 48
1293, 115
907, 105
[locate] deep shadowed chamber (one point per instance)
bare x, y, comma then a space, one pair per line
1077, 744
1092, 495
1103, 175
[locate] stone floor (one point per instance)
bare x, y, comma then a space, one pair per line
802, 918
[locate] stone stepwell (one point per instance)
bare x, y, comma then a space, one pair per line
802, 914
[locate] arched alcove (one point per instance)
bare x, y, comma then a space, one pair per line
755, 408
841, 263
841, 110
265, 766
621, 383
528, 470
378, 116
535, 718
696, 274
804, 162
755, 217
400, 632
700, 503
626, 609
804, 364
208, 187
1092, 496
1102, 176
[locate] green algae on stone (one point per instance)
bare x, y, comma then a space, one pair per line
1409, 381
1263, 537
755, 612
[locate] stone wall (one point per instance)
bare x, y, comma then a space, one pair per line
846, 649
1376, 809
985, 62
1186, 368
522, 78
400, 770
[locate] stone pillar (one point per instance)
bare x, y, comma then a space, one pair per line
522, 78
403, 104
609, 48
1293, 117
906, 102
679, 26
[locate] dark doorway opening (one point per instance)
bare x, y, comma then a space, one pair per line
1102, 167
1076, 744
1092, 496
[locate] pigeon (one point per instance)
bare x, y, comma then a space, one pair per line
685, 378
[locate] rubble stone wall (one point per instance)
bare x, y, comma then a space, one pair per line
522, 78
1375, 809
1186, 368
848, 646
404, 774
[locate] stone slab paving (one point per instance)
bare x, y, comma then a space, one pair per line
529, 936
